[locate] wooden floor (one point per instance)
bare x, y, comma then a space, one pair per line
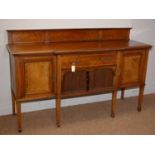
88, 119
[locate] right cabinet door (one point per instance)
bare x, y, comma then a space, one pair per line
102, 78
133, 67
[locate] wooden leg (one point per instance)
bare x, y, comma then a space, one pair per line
122, 93
140, 98
58, 110
13, 104
19, 116
113, 104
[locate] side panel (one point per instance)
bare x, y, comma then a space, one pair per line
13, 73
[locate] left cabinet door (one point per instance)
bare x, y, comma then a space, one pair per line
35, 77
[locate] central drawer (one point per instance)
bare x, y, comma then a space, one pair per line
88, 60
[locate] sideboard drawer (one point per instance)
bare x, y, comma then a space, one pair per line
86, 60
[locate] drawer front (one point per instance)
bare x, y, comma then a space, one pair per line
88, 60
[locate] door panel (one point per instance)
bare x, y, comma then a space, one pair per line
102, 78
37, 76
88, 81
74, 81
132, 67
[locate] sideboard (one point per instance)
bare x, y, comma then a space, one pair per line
65, 63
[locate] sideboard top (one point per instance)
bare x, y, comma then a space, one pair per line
97, 28
61, 41
74, 47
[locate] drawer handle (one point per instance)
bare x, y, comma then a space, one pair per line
73, 67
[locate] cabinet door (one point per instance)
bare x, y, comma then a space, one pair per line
74, 82
37, 77
132, 67
102, 78
88, 81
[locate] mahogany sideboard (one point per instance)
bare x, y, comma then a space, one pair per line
62, 63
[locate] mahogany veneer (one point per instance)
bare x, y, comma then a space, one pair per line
62, 63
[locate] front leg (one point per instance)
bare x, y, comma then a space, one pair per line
113, 104
58, 90
122, 93
58, 110
140, 98
19, 116
13, 103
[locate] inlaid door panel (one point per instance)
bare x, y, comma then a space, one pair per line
38, 75
132, 64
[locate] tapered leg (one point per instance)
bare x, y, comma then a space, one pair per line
122, 93
58, 110
113, 104
140, 98
58, 91
13, 104
19, 116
